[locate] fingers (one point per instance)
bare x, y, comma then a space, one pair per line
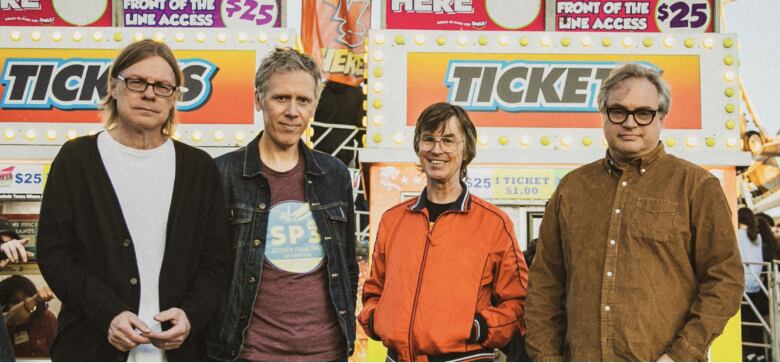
174, 337
122, 331
14, 250
45, 294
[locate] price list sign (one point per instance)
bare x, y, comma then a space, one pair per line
664, 16
203, 13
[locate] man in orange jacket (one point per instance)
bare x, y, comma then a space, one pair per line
448, 279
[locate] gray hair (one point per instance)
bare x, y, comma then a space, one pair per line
286, 60
636, 70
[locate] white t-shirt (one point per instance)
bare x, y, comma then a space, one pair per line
143, 182
751, 252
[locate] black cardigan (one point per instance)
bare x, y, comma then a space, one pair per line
86, 254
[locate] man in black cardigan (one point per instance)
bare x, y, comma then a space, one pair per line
134, 287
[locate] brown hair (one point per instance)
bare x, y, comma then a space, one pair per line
129, 56
435, 116
286, 60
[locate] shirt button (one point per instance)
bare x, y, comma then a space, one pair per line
642, 171
609, 273
251, 279
612, 242
133, 281
625, 183
617, 211
334, 275
126, 242
261, 206
256, 243
242, 317
606, 308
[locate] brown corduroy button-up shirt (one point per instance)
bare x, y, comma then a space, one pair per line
633, 263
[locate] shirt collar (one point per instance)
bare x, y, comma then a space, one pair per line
462, 204
253, 166
641, 164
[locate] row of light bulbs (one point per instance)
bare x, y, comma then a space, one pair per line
159, 36
52, 135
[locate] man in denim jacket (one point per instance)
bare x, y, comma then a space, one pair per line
292, 225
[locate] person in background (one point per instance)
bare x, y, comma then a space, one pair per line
448, 278
637, 258
27, 316
768, 241
11, 251
750, 248
133, 233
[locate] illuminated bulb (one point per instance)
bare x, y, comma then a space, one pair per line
398, 138
378, 87
117, 37
363, 140
36, 35
728, 60
708, 42
218, 135
242, 37
283, 37
729, 92
730, 124
728, 43
731, 141
483, 40
197, 136
545, 140
200, 37
503, 40
648, 42
239, 136
400, 40
262, 37
587, 141
377, 138
565, 41
627, 41
179, 37
377, 104
138, 36
98, 36
56, 36
566, 141
730, 107
310, 131
221, 37
545, 41
377, 120
524, 42
72, 134
503, 140
462, 39
441, 40
670, 142
16, 36
710, 141
606, 42
378, 56
586, 41
365, 105
524, 139
176, 135
51, 134
482, 139
379, 39
9, 134
364, 121
77, 36
30, 134
159, 36
419, 39
669, 42
364, 89
691, 141
729, 76
689, 43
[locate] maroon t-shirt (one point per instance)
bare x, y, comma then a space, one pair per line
293, 318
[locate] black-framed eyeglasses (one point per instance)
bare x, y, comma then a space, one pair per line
448, 144
617, 115
140, 85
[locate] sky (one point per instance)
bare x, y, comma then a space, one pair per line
758, 34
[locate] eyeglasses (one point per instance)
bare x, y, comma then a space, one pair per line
448, 144
641, 117
140, 85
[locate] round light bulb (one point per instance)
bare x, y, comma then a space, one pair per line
525, 139
239, 136
262, 37
97, 36
36, 35
221, 37
197, 136
586, 41
219, 135
379, 39
419, 39
242, 37
51, 134
30, 134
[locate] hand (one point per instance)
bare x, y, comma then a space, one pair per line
665, 358
14, 250
122, 332
176, 335
44, 294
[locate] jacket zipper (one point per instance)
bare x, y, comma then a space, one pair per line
419, 283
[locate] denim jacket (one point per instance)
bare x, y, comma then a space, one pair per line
248, 200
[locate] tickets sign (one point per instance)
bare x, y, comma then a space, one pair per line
523, 183
635, 15
55, 13
540, 90
22, 180
203, 13
465, 14
66, 85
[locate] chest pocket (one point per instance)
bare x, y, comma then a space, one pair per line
240, 223
337, 219
653, 219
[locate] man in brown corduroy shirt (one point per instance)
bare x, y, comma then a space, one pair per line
637, 258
